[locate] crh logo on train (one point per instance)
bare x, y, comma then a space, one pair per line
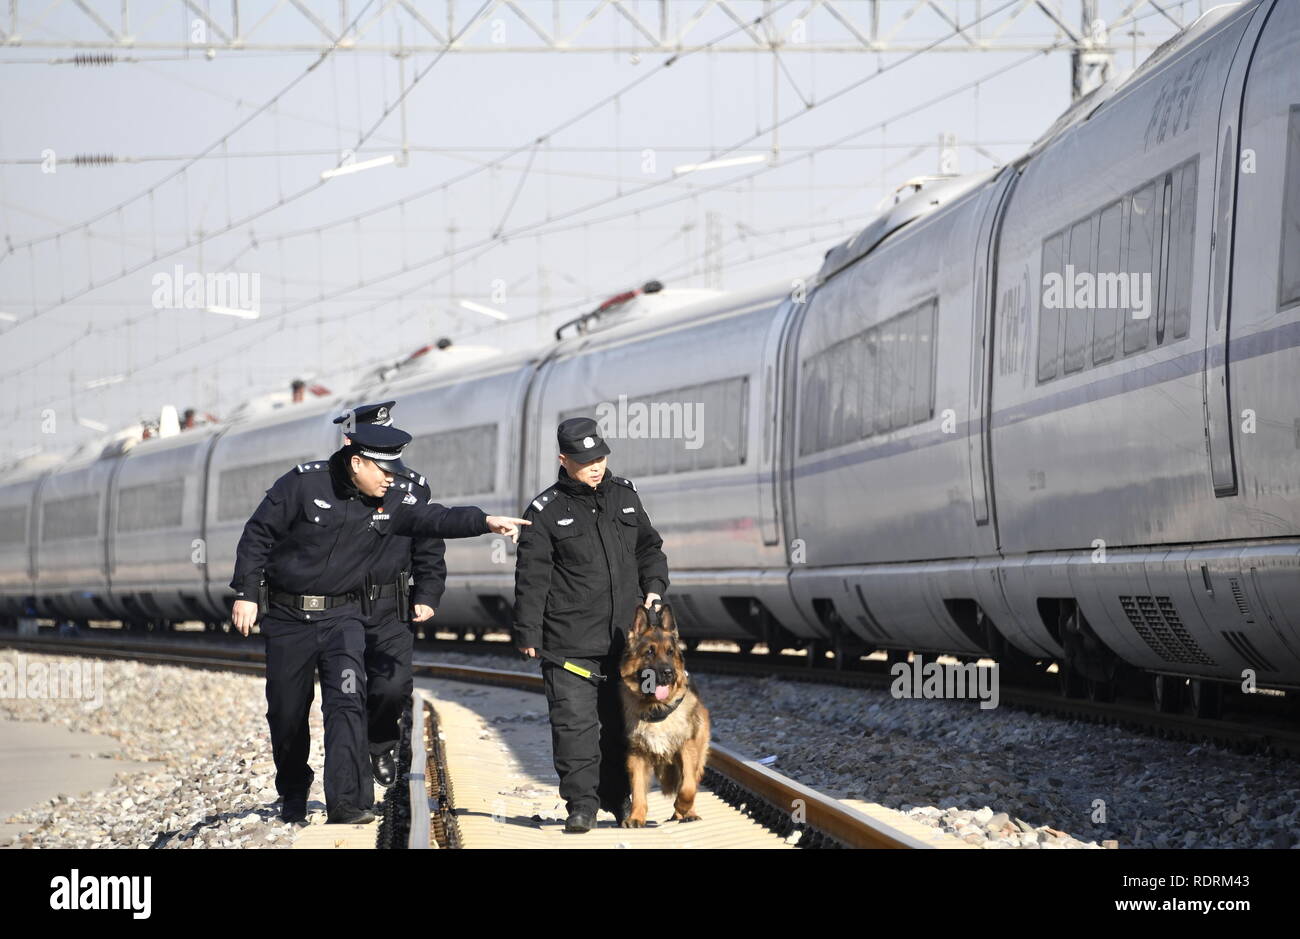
228, 292
24, 679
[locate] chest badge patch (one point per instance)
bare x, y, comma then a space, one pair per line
564, 521
629, 510
322, 503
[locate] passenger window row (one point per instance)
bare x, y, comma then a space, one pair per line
1123, 274
876, 380
455, 462
682, 430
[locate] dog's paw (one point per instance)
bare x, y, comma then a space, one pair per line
632, 823
688, 817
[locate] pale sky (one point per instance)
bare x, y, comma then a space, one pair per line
594, 210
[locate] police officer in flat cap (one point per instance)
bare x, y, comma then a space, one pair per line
589, 558
393, 604
301, 566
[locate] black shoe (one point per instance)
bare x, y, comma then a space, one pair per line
348, 815
580, 820
294, 809
385, 768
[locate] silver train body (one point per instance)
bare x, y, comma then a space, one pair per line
913, 452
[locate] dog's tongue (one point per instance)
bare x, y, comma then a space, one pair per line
661, 692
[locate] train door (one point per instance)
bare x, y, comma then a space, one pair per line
1216, 395
532, 431
772, 439
979, 440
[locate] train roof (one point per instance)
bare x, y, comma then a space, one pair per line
931, 194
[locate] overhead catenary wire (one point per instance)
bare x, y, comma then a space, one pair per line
488, 244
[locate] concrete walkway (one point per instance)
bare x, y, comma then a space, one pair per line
40, 761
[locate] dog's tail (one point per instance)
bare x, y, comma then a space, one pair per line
670, 779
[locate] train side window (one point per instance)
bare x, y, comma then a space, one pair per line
873, 383
1049, 314
713, 408
904, 368
1182, 247
1107, 310
923, 384
73, 517
885, 383
1076, 317
1289, 266
811, 410
837, 376
1140, 268
151, 505
854, 348
448, 459
13, 525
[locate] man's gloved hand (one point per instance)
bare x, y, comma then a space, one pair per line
652, 598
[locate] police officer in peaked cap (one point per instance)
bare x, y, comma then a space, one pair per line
394, 604
301, 565
589, 558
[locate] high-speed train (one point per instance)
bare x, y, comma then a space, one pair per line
915, 450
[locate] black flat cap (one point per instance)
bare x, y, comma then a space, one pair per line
381, 444
369, 414
579, 438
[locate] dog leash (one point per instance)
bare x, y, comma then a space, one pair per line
568, 666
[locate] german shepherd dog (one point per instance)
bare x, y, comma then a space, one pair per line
667, 726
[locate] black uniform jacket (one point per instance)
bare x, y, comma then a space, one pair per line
424, 558
314, 533
588, 559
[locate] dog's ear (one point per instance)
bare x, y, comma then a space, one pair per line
640, 622
668, 620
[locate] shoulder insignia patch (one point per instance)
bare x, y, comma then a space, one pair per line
312, 467
624, 482
409, 499
541, 501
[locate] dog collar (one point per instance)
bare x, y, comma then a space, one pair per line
668, 709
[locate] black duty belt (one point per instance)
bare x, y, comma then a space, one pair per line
313, 602
383, 592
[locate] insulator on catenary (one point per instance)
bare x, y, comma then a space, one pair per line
93, 59
93, 159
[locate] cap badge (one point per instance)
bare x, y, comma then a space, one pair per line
588, 442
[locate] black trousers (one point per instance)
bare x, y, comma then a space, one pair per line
389, 642
333, 645
587, 737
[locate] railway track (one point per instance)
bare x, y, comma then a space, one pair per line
426, 813
1269, 730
